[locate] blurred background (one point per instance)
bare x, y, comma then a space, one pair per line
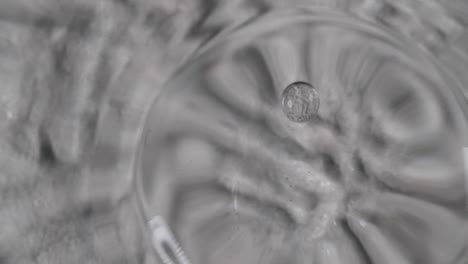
78, 78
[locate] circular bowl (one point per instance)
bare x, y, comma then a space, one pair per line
223, 175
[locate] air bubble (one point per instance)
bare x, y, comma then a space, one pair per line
300, 102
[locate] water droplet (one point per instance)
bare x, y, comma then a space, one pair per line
300, 102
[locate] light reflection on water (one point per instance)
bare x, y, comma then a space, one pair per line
375, 177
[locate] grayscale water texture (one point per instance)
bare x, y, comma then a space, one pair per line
161, 131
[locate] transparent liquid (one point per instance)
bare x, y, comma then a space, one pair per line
375, 175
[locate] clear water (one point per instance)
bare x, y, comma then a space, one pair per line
372, 172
